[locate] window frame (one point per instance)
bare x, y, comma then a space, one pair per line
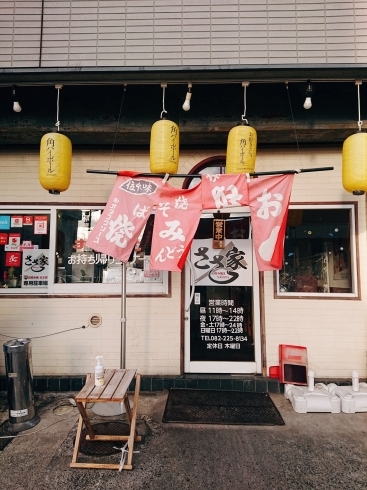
354, 256
97, 290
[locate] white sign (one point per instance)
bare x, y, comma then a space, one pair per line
19, 413
16, 221
230, 266
35, 268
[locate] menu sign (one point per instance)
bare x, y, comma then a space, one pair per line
221, 324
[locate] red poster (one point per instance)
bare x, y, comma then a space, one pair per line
224, 191
176, 220
125, 215
3, 238
269, 199
28, 220
40, 225
14, 239
13, 259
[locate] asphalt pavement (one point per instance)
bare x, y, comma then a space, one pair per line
320, 451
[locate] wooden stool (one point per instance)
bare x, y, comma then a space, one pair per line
116, 384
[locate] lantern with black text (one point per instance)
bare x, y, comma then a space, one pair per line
241, 150
241, 145
164, 147
164, 143
55, 162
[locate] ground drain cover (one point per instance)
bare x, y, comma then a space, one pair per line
63, 409
104, 448
5, 430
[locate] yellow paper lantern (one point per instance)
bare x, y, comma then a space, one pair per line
241, 150
55, 162
354, 164
164, 147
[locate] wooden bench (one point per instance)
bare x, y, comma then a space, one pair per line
117, 382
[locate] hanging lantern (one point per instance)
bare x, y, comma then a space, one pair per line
55, 158
164, 147
164, 144
55, 162
241, 150
354, 159
354, 164
241, 145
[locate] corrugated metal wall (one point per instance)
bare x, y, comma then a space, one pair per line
79, 33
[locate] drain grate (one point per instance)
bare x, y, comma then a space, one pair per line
5, 430
104, 448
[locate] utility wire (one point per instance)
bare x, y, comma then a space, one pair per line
117, 124
294, 125
38, 430
47, 335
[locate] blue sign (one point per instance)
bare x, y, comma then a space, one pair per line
4, 222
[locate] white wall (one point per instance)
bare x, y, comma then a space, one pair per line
334, 331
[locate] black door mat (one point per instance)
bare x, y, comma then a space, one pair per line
221, 407
104, 448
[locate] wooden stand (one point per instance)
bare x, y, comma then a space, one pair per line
115, 388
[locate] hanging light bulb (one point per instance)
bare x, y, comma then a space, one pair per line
164, 143
55, 158
308, 102
16, 105
354, 162
241, 145
186, 104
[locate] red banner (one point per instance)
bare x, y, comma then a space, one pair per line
269, 200
224, 191
176, 220
125, 215
178, 213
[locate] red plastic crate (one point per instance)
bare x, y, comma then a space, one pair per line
293, 364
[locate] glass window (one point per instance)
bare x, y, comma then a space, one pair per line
44, 251
24, 250
319, 252
78, 264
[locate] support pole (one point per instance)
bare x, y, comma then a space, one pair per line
123, 317
253, 174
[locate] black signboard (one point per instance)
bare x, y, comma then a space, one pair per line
221, 324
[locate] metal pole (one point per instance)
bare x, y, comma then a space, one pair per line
253, 174
123, 318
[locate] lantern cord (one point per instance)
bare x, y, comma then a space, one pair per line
117, 124
294, 125
244, 104
164, 94
359, 110
57, 110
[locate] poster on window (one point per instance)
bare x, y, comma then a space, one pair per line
40, 225
231, 265
35, 268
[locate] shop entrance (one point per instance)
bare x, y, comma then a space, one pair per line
222, 319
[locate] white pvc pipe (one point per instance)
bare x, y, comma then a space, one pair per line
355, 381
311, 381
